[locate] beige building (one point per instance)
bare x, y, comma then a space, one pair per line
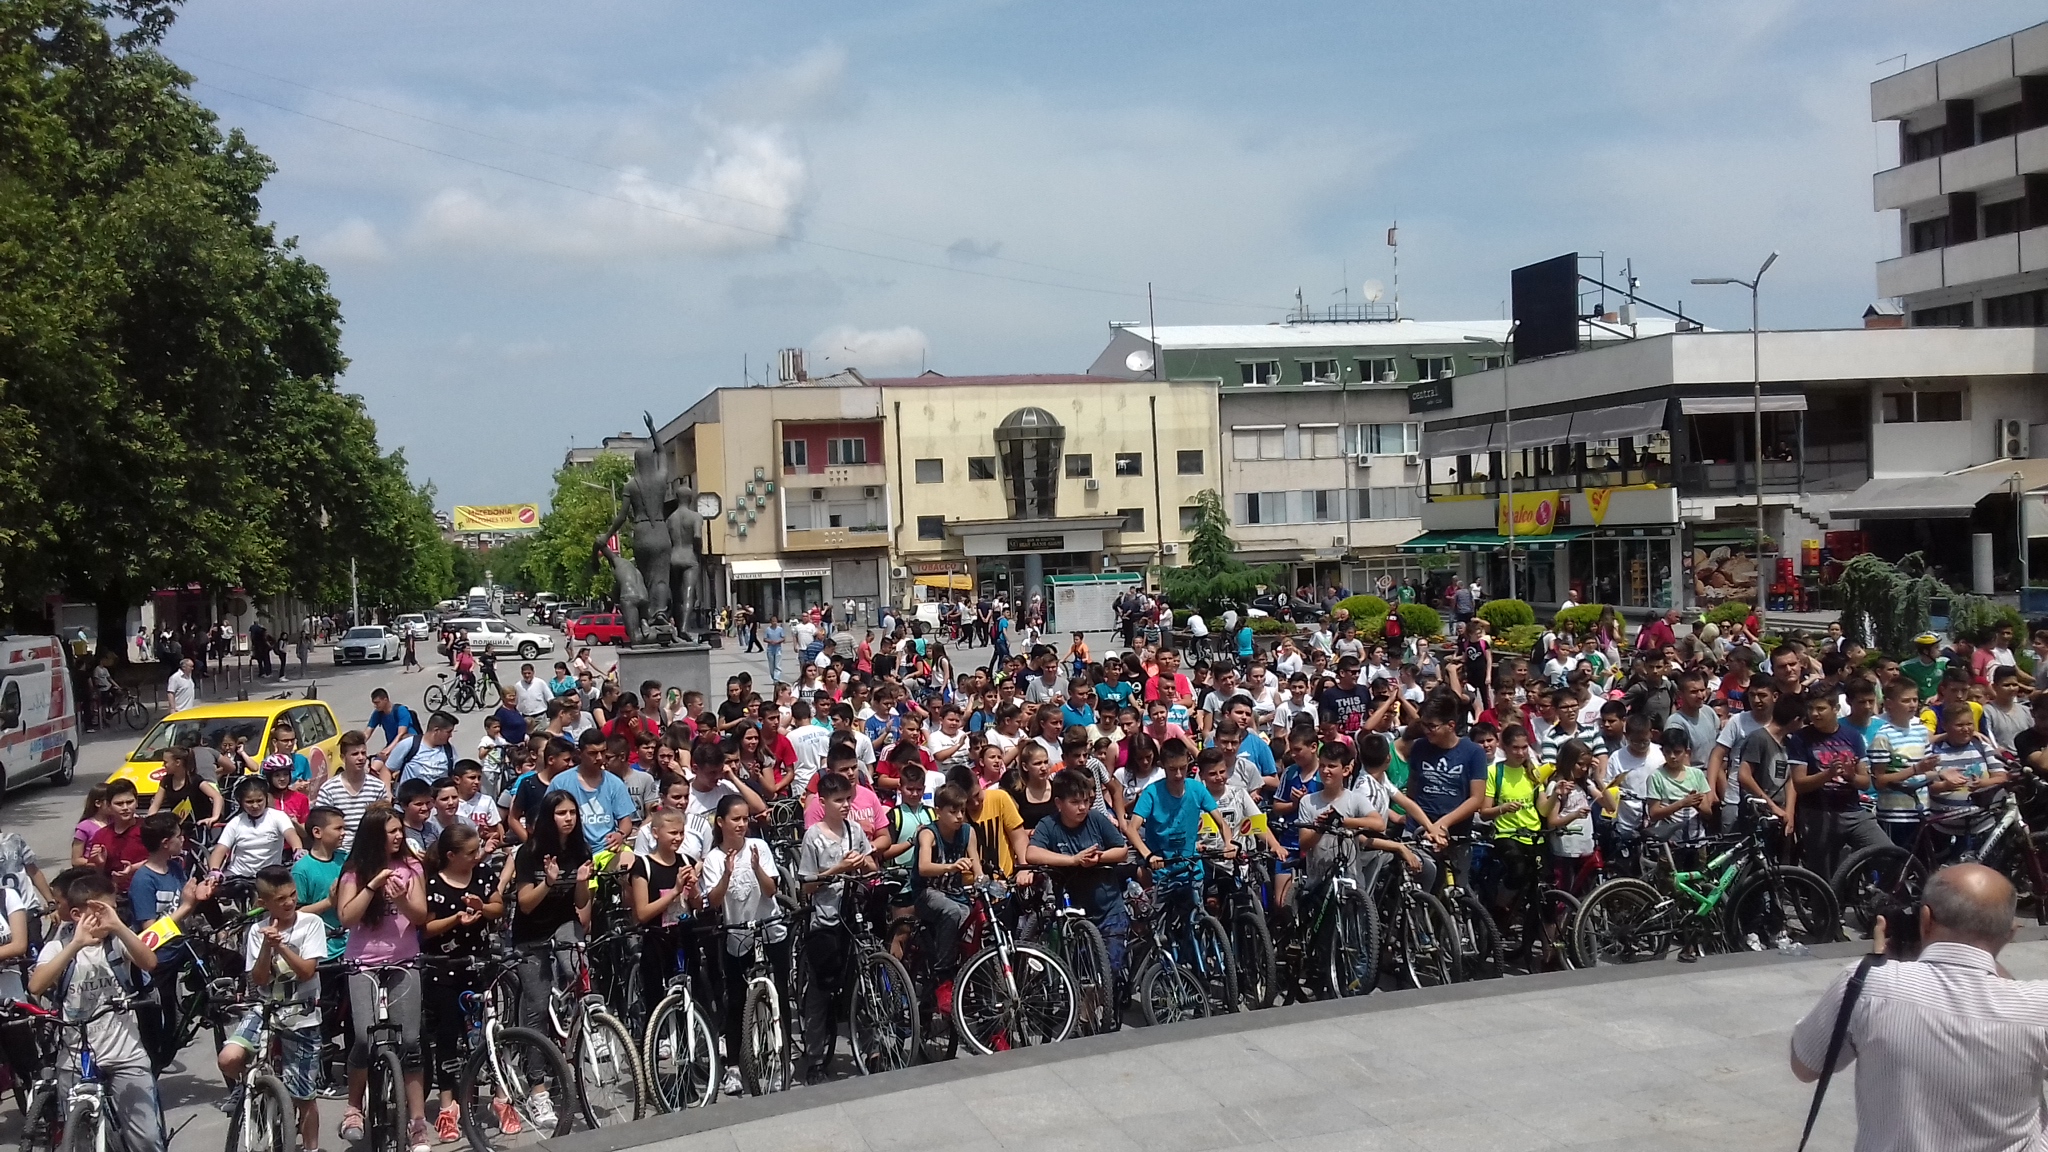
847, 488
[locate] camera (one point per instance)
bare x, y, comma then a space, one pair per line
1901, 927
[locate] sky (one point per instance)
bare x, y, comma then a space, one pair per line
545, 219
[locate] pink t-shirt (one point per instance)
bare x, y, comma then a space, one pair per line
867, 810
85, 829
393, 938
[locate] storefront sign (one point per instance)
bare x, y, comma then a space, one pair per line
496, 517
936, 567
1598, 499
1534, 513
1429, 396
1037, 543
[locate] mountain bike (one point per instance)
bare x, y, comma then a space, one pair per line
1886, 879
881, 1001
264, 1119
1006, 993
1182, 957
506, 1069
604, 1062
1334, 950
384, 1115
1237, 895
1067, 932
1479, 952
680, 1047
767, 1055
1421, 939
1738, 900
74, 1120
465, 694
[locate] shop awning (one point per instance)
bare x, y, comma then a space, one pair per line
1640, 419
1724, 405
1436, 541
956, 581
1913, 497
1534, 432
1723, 535
1457, 441
1473, 541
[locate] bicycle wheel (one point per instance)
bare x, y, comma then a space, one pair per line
1258, 978
1217, 963
1349, 949
528, 1079
680, 1056
1784, 904
434, 699
606, 1069
764, 1043
271, 1118
991, 1017
1621, 922
135, 715
42, 1124
1872, 879
81, 1131
385, 1103
883, 1023
1086, 955
1478, 938
1550, 945
1428, 942
467, 699
1169, 993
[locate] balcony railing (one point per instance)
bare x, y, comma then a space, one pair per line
865, 536
1695, 479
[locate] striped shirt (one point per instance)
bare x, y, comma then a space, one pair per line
1973, 760
335, 794
1949, 1055
1895, 748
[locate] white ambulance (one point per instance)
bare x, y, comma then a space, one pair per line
38, 715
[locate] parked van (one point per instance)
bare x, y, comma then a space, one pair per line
479, 602
38, 716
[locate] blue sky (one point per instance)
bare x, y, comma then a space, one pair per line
544, 218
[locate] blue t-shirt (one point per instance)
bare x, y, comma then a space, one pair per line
602, 807
1097, 890
511, 725
390, 722
1261, 753
1440, 779
561, 685
154, 893
1842, 748
1114, 696
1083, 716
1282, 825
774, 636
1172, 824
1244, 642
315, 879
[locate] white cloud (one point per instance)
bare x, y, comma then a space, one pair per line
354, 241
873, 351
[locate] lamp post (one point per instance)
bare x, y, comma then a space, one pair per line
1507, 454
1763, 572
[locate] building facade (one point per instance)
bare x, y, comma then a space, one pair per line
1971, 185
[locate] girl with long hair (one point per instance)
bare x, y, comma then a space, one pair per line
380, 900
461, 904
738, 879
550, 882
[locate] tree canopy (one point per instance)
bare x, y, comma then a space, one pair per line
1213, 578
561, 556
168, 408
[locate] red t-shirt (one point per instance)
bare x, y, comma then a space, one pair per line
1183, 688
122, 849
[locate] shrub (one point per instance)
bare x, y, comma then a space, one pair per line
1270, 626
1362, 607
1732, 612
1506, 614
1580, 619
1420, 621
1519, 638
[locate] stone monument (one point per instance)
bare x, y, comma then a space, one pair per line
657, 588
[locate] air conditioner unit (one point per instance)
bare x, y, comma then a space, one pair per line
2013, 439
1413, 459
868, 493
1444, 374
817, 493
899, 573
1364, 459
1337, 542
1170, 548
1091, 484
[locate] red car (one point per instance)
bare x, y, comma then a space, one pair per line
598, 627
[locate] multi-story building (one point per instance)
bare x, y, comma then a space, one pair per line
1971, 185
624, 444
846, 488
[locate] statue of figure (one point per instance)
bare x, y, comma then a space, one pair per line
632, 590
685, 570
640, 505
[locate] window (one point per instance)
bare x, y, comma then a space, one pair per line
1898, 408
841, 450
1998, 123
1431, 367
1188, 461
1262, 508
2004, 217
1259, 443
1382, 370
931, 527
1134, 519
1487, 363
796, 455
1922, 407
1319, 372
1259, 372
931, 471
1130, 463
1079, 465
1383, 439
1927, 235
1946, 316
1923, 145
1319, 441
1190, 516
981, 467
2022, 310
1324, 504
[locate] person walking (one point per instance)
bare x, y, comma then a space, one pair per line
773, 640
1950, 1053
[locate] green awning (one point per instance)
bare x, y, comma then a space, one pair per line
1723, 535
1558, 538
1438, 541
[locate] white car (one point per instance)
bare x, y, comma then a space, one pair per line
493, 635
370, 643
414, 625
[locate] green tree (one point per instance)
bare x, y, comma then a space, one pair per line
561, 558
1214, 577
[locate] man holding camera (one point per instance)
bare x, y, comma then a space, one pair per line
1951, 1052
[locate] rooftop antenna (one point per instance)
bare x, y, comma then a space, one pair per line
1372, 290
1152, 318
1394, 242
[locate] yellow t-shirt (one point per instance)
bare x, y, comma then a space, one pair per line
998, 816
1505, 784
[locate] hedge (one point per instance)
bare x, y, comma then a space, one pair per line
1506, 614
1363, 607
1270, 625
1519, 638
1732, 612
1580, 619
1419, 621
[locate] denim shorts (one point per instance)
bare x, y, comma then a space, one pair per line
298, 1058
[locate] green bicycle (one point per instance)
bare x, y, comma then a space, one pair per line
1737, 901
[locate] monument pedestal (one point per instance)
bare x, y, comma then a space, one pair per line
685, 666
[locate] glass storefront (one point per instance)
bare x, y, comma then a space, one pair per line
1632, 572
778, 595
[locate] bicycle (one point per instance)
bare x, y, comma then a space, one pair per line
767, 1056
1884, 879
504, 1065
1334, 950
465, 695
604, 1061
1006, 993
1421, 938
1737, 899
680, 1047
1478, 936
881, 1000
265, 1119
74, 1122
384, 1095
122, 706
1237, 898
1068, 933
1183, 957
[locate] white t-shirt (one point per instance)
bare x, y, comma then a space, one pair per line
98, 975
744, 902
811, 743
533, 696
479, 812
253, 844
11, 987
307, 936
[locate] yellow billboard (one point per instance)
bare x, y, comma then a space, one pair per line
497, 517
1535, 514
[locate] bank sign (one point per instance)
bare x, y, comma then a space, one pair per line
1533, 514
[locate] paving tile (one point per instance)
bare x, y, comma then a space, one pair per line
1475, 1130
818, 1130
1285, 1118
1192, 1129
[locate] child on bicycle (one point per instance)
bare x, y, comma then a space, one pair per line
833, 847
462, 903
947, 848
160, 890
381, 902
87, 967
1085, 844
738, 879
283, 950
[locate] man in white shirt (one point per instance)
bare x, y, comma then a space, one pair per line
181, 689
810, 741
1198, 634
532, 695
805, 633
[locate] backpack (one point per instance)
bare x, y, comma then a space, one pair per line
1392, 630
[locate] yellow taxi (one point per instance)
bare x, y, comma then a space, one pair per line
249, 720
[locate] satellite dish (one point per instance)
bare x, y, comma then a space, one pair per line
1372, 290
1139, 361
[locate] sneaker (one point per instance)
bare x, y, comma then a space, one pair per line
541, 1108
232, 1102
416, 1135
448, 1125
732, 1086
352, 1126
508, 1119
945, 998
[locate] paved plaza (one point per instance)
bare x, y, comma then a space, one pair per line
1663, 1056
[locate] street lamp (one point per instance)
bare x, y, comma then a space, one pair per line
1763, 574
1507, 454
